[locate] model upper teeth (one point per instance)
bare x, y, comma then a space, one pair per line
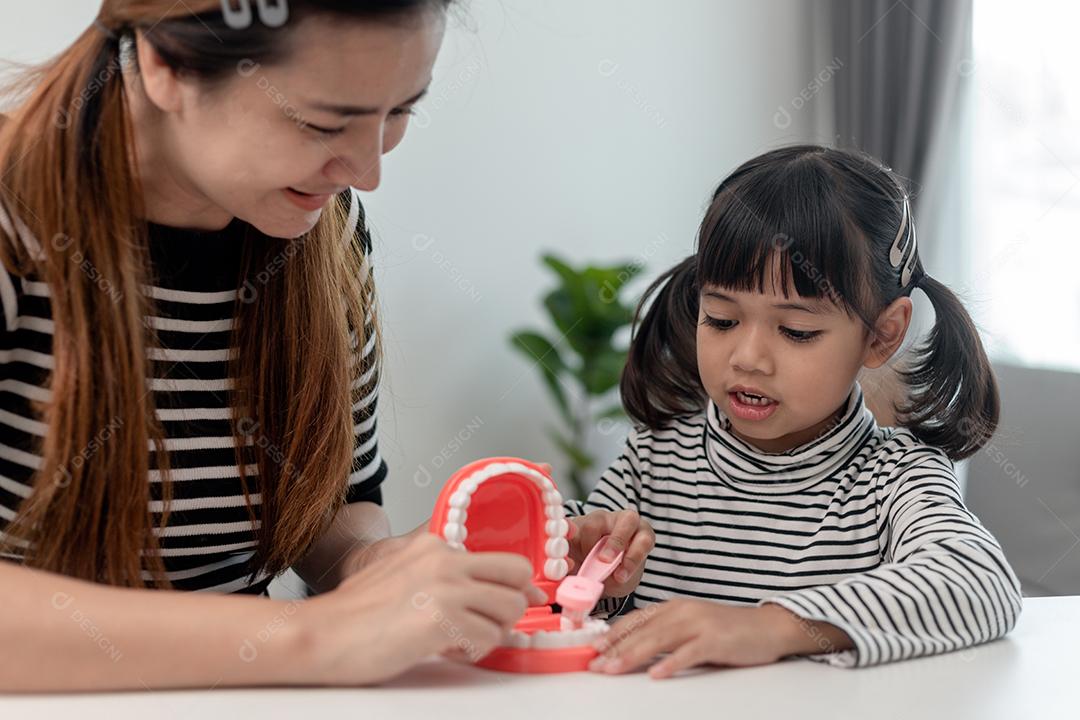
753, 399
556, 528
549, 639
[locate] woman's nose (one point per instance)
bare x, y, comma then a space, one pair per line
360, 166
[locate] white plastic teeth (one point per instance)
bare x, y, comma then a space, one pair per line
551, 639
556, 548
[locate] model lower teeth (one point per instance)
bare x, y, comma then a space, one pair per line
753, 399
551, 639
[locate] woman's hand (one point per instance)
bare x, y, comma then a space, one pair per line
629, 534
700, 632
420, 600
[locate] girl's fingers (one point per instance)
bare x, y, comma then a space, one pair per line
635, 555
627, 625
623, 529
688, 655
640, 647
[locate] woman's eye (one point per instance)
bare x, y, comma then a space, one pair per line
718, 323
399, 112
800, 335
324, 131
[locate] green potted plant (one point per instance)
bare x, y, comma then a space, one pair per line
581, 362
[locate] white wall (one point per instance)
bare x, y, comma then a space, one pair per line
597, 130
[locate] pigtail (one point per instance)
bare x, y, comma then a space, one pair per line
660, 380
953, 396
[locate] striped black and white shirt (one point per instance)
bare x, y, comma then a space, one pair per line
209, 539
863, 528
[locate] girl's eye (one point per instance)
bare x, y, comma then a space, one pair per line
719, 324
330, 132
800, 335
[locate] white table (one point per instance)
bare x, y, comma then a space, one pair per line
1033, 673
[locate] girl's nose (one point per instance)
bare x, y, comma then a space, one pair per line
751, 354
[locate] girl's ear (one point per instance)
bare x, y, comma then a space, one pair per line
888, 333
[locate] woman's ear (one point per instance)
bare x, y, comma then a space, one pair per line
888, 333
160, 84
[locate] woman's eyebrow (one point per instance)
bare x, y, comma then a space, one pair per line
360, 109
815, 309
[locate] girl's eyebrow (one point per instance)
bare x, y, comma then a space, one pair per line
361, 110
815, 309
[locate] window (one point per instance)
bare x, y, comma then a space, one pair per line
1025, 270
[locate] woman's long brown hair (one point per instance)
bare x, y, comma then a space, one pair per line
66, 160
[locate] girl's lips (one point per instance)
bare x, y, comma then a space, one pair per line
305, 201
745, 411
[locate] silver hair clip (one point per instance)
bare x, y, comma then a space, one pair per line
899, 248
272, 14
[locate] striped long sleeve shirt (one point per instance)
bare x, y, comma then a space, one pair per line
863, 528
209, 539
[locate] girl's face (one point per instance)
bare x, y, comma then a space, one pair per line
798, 356
272, 144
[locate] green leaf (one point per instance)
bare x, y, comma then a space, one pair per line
603, 370
546, 357
578, 457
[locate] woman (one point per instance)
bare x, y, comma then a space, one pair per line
186, 299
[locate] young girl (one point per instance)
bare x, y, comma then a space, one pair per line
787, 521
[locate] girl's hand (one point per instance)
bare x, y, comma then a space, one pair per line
629, 533
420, 600
700, 632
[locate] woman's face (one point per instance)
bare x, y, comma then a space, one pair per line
272, 144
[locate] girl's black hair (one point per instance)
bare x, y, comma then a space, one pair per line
835, 223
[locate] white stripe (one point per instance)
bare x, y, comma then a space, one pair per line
361, 428
361, 449
204, 503
206, 529
36, 288
30, 357
210, 472
156, 353
27, 425
41, 325
20, 457
200, 443
202, 569
367, 471
15, 488
182, 414
9, 299
208, 550
26, 390
190, 326
189, 296
191, 385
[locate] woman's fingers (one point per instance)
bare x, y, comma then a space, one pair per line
501, 605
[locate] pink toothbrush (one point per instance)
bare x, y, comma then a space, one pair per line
578, 594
